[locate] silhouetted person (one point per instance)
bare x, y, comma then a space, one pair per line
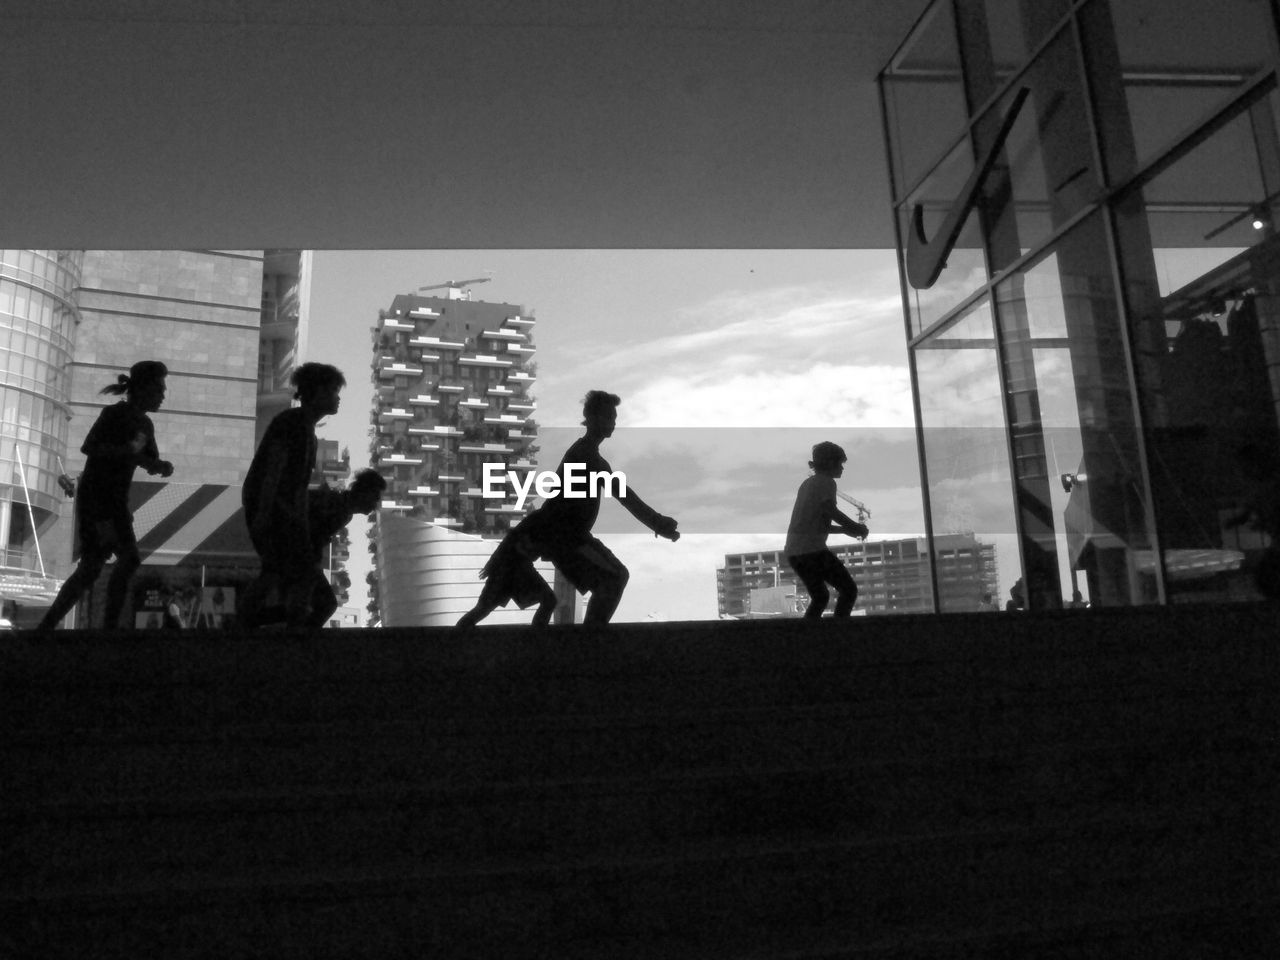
121, 439
1017, 597
813, 518
275, 497
560, 530
1261, 512
510, 575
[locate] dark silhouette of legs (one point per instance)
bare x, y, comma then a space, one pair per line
815, 571
81, 579
847, 592
606, 595
127, 563
545, 609
818, 597
323, 600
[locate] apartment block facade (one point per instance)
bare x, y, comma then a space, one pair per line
892, 575
452, 392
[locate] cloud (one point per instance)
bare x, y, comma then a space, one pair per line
790, 356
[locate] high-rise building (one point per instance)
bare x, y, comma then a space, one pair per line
452, 379
38, 324
81, 319
892, 576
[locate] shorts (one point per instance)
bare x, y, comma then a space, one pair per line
103, 536
510, 575
820, 568
588, 564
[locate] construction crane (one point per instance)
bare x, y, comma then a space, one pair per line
863, 513
456, 285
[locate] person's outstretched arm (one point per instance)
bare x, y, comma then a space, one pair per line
841, 523
660, 524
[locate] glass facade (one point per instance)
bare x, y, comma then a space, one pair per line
38, 319
1091, 280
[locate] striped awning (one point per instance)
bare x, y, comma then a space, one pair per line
189, 523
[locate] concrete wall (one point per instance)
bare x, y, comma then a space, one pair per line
314, 123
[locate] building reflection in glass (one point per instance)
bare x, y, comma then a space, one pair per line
1104, 396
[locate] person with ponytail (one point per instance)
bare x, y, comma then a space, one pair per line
122, 439
275, 497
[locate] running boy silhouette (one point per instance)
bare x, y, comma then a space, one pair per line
121, 439
560, 531
275, 497
813, 517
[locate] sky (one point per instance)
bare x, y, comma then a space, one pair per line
731, 364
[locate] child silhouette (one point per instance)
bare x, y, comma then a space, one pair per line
121, 439
813, 517
560, 531
275, 497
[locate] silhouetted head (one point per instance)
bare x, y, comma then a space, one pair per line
600, 412
365, 492
144, 384
828, 458
316, 385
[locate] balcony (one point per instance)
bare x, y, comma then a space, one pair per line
521, 376
522, 464
503, 334
505, 420
422, 400
394, 413
519, 321
451, 478
484, 448
450, 388
424, 491
396, 323
424, 313
509, 509
437, 430
524, 405
423, 432
485, 360
474, 403
394, 505
401, 459
436, 343
525, 350
398, 370
499, 390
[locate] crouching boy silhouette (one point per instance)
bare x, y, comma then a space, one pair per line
813, 517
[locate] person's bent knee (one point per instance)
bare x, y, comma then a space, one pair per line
89, 568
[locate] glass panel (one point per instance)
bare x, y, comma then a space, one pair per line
1170, 65
924, 97
1202, 276
966, 268
1076, 460
966, 455
1047, 171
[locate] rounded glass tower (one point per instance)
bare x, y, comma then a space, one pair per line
38, 318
